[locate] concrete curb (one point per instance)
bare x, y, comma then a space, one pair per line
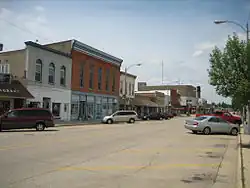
240, 166
76, 124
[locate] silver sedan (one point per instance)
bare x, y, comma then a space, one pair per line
211, 124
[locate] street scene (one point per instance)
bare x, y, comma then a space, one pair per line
145, 154
124, 94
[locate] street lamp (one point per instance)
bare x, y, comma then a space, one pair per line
244, 28
125, 79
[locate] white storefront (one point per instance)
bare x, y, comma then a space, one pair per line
48, 76
55, 99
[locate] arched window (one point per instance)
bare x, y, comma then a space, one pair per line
63, 76
51, 73
38, 73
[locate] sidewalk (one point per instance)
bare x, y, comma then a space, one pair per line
245, 145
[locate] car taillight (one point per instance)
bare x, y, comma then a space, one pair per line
196, 123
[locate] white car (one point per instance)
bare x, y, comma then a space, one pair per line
211, 124
121, 116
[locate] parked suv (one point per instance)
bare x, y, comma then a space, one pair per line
24, 118
121, 116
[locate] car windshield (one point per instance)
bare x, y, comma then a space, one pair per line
201, 118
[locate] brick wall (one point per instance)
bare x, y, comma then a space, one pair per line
79, 58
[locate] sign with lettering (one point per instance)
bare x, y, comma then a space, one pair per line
9, 90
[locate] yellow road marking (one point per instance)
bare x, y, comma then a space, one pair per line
155, 150
153, 167
15, 147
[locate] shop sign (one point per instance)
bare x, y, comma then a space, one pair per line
9, 90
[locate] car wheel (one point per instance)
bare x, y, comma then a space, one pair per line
40, 126
131, 120
109, 121
195, 132
207, 131
234, 132
148, 118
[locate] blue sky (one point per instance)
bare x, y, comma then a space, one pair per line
181, 33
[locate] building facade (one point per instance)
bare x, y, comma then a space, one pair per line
12, 93
127, 90
188, 93
95, 80
46, 73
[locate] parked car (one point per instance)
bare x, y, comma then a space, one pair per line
167, 115
211, 124
23, 118
224, 115
155, 116
121, 116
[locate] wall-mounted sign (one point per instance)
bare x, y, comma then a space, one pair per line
9, 90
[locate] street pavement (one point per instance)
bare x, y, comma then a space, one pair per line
148, 154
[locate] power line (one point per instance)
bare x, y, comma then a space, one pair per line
23, 29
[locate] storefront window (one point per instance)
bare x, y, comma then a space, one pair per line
104, 106
110, 103
90, 107
56, 109
98, 107
74, 107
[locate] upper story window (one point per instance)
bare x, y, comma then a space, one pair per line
52, 73
63, 76
82, 75
130, 91
121, 87
38, 73
91, 76
126, 88
113, 80
100, 78
133, 89
107, 79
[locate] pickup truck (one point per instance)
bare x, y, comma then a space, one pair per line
226, 116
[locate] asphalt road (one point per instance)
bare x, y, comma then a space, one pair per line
151, 154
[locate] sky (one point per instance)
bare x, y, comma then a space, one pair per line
179, 33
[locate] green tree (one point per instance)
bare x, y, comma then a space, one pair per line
230, 70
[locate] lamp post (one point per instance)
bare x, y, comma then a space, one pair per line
125, 80
246, 30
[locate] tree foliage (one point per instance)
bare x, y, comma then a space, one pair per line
230, 70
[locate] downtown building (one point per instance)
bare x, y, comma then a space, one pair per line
73, 80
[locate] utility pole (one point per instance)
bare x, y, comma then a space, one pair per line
162, 72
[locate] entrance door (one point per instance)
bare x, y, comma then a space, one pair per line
82, 114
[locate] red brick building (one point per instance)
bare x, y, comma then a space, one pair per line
95, 80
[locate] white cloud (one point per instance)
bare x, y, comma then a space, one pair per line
197, 53
23, 26
39, 8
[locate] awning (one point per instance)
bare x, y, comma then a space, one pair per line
14, 90
144, 102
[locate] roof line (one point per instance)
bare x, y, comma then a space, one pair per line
30, 43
